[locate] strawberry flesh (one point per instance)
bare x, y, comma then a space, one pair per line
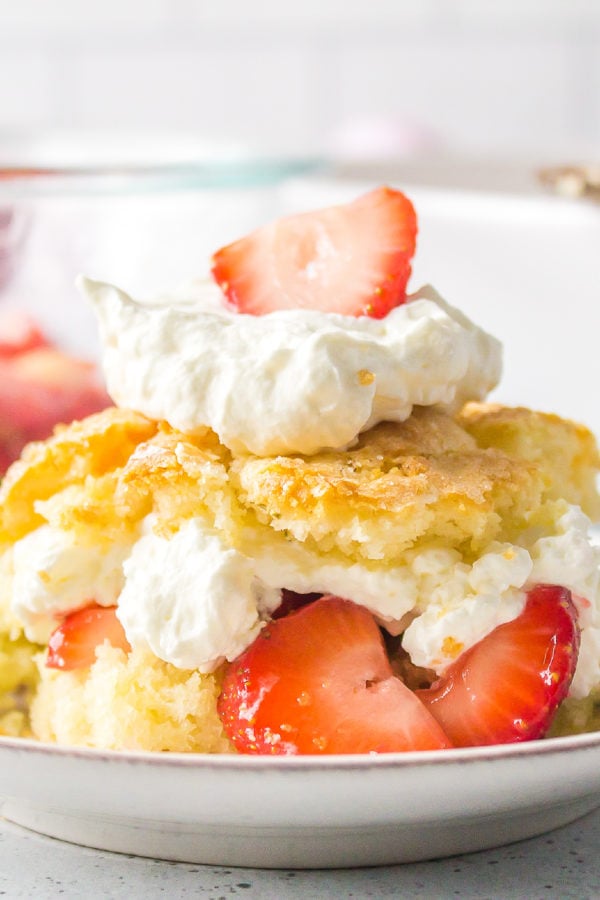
73, 644
507, 687
353, 259
319, 681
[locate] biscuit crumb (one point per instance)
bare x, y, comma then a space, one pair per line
365, 377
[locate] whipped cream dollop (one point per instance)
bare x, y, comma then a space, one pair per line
53, 573
191, 599
294, 381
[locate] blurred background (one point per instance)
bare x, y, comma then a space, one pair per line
361, 77
137, 136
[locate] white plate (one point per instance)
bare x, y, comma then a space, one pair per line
300, 812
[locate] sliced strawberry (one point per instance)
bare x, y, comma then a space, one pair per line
319, 681
73, 644
352, 259
507, 687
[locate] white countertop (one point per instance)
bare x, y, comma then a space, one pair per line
562, 864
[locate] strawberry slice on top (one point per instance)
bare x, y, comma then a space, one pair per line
353, 259
318, 681
507, 687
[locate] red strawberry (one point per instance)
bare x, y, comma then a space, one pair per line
319, 681
352, 259
73, 644
507, 687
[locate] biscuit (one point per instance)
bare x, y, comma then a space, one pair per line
423, 480
134, 701
84, 450
565, 452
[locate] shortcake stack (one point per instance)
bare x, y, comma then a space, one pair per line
301, 528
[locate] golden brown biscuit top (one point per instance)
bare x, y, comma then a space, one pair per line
425, 478
565, 452
457, 482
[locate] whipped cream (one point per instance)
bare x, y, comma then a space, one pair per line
194, 601
464, 602
54, 573
294, 381
191, 599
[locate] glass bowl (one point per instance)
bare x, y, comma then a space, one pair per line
143, 212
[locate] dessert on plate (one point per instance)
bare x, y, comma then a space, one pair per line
301, 528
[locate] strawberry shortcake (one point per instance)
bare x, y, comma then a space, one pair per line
301, 529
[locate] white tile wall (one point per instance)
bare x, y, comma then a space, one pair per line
519, 76
524, 94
